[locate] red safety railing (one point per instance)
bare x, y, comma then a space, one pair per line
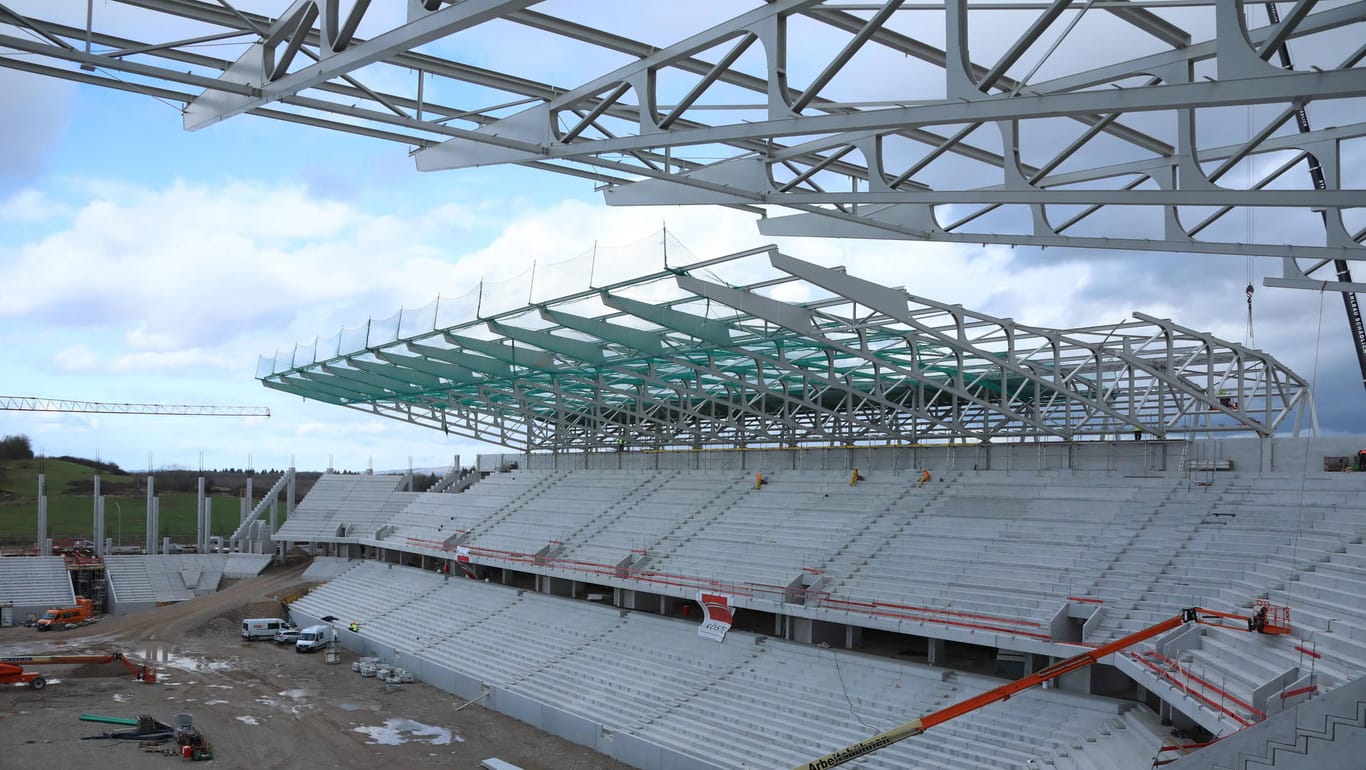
1168, 666
747, 589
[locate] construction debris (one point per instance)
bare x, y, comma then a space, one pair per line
372, 667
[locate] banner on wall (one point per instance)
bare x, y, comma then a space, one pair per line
718, 618
462, 557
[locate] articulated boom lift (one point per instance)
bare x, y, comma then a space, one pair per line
12, 672
1265, 619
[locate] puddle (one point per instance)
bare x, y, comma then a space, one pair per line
396, 732
186, 663
248, 720
293, 709
356, 707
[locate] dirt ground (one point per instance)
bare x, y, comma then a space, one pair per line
259, 704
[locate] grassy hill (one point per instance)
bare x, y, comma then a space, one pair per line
71, 505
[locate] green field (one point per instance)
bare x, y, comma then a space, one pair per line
71, 506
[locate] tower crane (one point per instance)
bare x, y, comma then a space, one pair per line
32, 404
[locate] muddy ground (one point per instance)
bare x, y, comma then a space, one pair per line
261, 706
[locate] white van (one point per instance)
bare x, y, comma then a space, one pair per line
313, 638
262, 628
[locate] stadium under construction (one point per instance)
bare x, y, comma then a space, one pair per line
724, 479
759, 511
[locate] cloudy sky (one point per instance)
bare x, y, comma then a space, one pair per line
142, 263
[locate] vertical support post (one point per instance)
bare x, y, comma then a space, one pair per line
201, 537
151, 534
99, 531
99, 526
934, 651
44, 548
289, 500
154, 529
208, 524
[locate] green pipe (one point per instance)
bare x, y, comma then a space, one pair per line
108, 720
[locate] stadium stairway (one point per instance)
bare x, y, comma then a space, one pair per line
1323, 733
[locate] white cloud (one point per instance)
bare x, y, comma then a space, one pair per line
30, 206
190, 361
75, 359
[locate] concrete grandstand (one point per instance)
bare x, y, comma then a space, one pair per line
897, 499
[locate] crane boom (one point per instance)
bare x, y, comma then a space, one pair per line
1258, 622
31, 404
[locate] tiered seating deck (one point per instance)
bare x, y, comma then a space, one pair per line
552, 512
432, 518
35, 584
749, 702
359, 504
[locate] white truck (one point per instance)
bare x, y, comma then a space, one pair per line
262, 628
314, 638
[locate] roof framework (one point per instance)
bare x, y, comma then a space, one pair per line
1155, 125
1160, 125
675, 360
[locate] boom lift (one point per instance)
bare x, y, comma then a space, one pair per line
12, 672
1265, 619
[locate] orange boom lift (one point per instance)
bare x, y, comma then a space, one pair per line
12, 672
1265, 619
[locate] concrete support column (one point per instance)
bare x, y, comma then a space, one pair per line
201, 538
154, 529
44, 546
1078, 681
150, 539
208, 524
95, 521
289, 499
99, 526
935, 651
853, 637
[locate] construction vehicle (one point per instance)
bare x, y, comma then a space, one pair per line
1265, 619
12, 667
12, 674
68, 617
